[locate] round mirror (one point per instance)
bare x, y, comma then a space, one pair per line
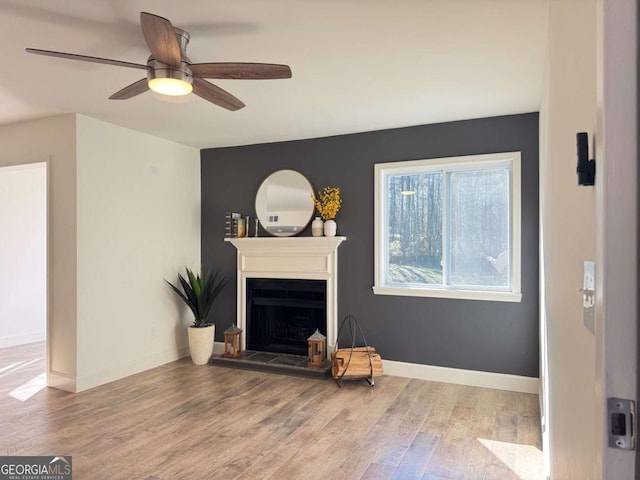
283, 203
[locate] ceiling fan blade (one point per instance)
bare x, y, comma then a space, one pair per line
216, 95
132, 90
241, 71
161, 38
85, 58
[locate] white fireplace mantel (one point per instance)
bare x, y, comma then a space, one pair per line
304, 258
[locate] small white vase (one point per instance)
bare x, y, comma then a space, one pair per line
317, 227
330, 228
201, 343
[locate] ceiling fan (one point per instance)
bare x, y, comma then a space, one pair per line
170, 72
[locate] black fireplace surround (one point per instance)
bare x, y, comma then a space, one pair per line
283, 313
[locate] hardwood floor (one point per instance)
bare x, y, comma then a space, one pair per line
180, 421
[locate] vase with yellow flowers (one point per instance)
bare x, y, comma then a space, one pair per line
327, 204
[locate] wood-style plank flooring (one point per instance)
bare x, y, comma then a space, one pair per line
179, 421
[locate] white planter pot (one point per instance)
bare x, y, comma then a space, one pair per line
317, 227
330, 228
201, 343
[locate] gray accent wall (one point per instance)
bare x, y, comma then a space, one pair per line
498, 337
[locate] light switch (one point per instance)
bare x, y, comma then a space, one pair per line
589, 275
588, 291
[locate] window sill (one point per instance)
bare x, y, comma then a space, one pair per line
490, 296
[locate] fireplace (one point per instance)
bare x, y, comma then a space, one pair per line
288, 259
283, 313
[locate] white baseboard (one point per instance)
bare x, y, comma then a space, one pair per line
11, 340
64, 382
498, 381
141, 364
473, 378
218, 348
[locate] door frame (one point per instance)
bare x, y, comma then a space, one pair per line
616, 223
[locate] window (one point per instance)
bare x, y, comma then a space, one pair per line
449, 227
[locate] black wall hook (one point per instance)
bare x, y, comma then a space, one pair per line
586, 168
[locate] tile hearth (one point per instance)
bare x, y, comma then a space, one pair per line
274, 363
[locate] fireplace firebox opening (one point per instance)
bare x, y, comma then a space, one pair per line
283, 313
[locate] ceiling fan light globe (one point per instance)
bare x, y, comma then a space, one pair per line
170, 86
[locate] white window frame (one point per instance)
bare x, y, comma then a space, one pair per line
503, 294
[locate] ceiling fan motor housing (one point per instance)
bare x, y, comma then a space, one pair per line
158, 69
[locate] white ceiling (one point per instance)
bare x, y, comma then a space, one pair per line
358, 65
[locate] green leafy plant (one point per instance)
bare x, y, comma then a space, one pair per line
199, 292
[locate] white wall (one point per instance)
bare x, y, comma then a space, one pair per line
53, 140
138, 223
23, 248
568, 236
115, 231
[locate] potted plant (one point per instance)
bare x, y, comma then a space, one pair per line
328, 203
199, 292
